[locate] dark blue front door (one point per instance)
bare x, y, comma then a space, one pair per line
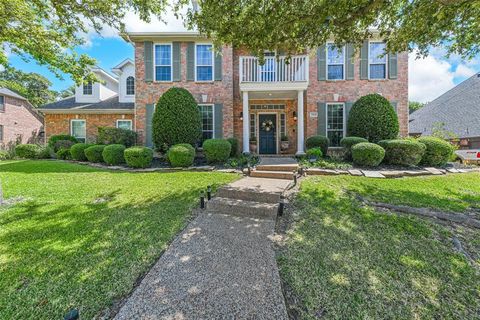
267, 133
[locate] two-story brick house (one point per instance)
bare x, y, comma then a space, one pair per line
305, 95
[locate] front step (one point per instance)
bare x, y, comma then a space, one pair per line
272, 174
248, 195
278, 167
243, 208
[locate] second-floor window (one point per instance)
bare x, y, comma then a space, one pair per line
335, 62
163, 62
87, 88
2, 104
204, 62
130, 86
377, 60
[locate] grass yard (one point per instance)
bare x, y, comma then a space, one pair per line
345, 261
80, 236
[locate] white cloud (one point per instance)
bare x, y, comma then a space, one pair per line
463, 71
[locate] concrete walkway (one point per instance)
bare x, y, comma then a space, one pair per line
220, 267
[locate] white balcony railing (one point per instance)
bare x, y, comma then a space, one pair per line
274, 69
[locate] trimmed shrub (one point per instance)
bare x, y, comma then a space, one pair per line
176, 119
53, 139
4, 155
27, 151
62, 144
437, 152
347, 143
138, 157
318, 142
216, 150
110, 135
63, 154
113, 154
402, 152
372, 117
78, 151
94, 153
367, 154
45, 152
314, 152
234, 144
181, 155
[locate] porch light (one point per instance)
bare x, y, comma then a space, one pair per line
241, 115
294, 116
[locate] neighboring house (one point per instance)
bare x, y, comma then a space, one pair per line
109, 103
19, 120
456, 111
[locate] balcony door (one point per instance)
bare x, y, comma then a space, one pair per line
269, 68
267, 129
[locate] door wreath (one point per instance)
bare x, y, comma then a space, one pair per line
267, 125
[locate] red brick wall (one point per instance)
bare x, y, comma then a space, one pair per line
18, 121
60, 123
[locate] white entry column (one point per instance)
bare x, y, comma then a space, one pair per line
300, 124
246, 129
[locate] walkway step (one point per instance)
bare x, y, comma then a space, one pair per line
278, 167
244, 208
272, 174
248, 195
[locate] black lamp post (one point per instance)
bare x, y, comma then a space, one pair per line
202, 199
209, 192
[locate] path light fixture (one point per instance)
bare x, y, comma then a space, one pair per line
241, 115
209, 192
294, 115
281, 205
202, 199
294, 177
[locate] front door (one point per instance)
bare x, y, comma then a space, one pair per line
267, 133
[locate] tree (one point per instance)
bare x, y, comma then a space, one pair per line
414, 106
68, 92
49, 30
296, 25
32, 86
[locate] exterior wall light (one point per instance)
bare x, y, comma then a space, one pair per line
241, 115
294, 116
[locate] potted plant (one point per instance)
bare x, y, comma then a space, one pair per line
284, 143
253, 144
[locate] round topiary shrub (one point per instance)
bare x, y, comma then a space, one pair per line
402, 152
367, 154
53, 139
63, 154
314, 153
234, 144
372, 117
318, 142
78, 151
437, 152
62, 144
138, 157
181, 155
4, 155
176, 119
110, 135
347, 143
94, 153
216, 150
113, 154
27, 151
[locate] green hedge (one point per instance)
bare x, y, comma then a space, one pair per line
62, 144
78, 151
367, 154
234, 144
438, 151
4, 155
402, 152
63, 154
181, 155
53, 139
372, 117
27, 151
138, 157
318, 142
217, 150
110, 135
347, 143
94, 153
314, 153
113, 154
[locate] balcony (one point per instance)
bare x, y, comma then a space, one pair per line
274, 70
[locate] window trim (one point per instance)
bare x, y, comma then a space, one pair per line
71, 128
213, 62
2, 105
161, 65
213, 117
344, 121
368, 61
126, 86
327, 64
125, 120
83, 89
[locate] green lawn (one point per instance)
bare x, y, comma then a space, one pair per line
82, 236
345, 261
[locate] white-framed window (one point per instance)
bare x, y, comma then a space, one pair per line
203, 62
335, 123
335, 62
1, 133
208, 119
162, 55
124, 124
2, 103
377, 61
130, 85
88, 88
253, 125
78, 129
283, 125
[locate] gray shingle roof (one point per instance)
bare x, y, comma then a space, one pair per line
69, 103
10, 93
458, 109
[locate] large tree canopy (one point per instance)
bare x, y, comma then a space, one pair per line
295, 25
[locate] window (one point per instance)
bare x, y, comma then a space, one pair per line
79, 129
163, 62
267, 70
377, 60
253, 128
130, 86
204, 62
1, 133
335, 123
87, 88
124, 124
335, 62
2, 104
283, 125
206, 112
